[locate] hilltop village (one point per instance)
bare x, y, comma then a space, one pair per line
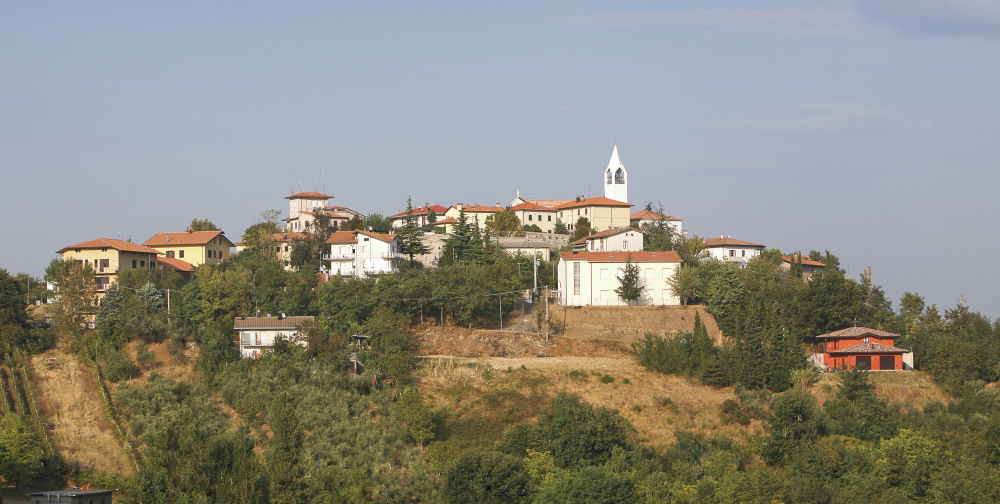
585, 349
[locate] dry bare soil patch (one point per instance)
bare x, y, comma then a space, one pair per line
68, 396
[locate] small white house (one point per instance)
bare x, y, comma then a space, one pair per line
727, 249
362, 253
257, 334
590, 278
626, 239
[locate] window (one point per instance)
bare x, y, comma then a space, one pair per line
584, 211
744, 252
620, 176
649, 273
170, 254
180, 254
609, 175
605, 274
133, 263
529, 216
142, 263
576, 279
625, 245
539, 217
732, 253
866, 339
105, 249
550, 218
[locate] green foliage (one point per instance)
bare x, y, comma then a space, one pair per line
731, 412
116, 364
574, 432
282, 455
727, 297
489, 478
630, 287
692, 354
532, 228
413, 412
857, 411
692, 250
144, 356
685, 283
151, 297
796, 418
659, 236
20, 450
377, 223
410, 235
581, 229
308, 247
560, 228
504, 224
202, 225
588, 484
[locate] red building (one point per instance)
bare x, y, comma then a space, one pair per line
863, 348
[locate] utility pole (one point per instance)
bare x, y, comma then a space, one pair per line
500, 298
534, 258
547, 316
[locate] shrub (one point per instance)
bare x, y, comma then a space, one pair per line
607, 379
732, 412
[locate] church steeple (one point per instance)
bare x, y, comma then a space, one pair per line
616, 179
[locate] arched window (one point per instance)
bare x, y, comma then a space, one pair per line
609, 175
619, 176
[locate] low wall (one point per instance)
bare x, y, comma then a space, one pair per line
629, 323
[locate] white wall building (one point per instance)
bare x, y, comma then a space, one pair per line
650, 217
257, 334
613, 240
362, 253
727, 249
590, 278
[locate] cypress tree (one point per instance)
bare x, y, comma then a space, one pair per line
282, 454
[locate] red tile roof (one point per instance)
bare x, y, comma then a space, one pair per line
174, 264
599, 201
609, 232
805, 262
379, 236
121, 245
718, 242
604, 257
449, 220
309, 195
184, 238
343, 237
863, 348
854, 332
251, 323
651, 215
550, 203
480, 209
438, 209
531, 206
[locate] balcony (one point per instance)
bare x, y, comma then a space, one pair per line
392, 255
339, 257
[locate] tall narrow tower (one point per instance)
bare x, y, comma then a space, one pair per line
616, 179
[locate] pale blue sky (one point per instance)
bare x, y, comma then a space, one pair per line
866, 128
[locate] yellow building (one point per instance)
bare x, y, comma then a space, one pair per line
194, 247
473, 213
603, 213
109, 256
281, 245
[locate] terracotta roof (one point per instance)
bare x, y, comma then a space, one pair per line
854, 332
480, 209
651, 215
805, 262
608, 232
438, 209
599, 201
718, 242
598, 257
551, 203
309, 194
449, 220
343, 237
174, 264
383, 237
532, 206
270, 322
869, 348
121, 245
184, 238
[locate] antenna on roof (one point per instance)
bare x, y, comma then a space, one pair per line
301, 187
324, 180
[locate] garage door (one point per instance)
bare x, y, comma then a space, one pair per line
887, 362
864, 362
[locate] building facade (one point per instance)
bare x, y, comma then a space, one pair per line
603, 213
256, 335
108, 257
616, 179
362, 253
650, 217
420, 216
863, 348
590, 278
625, 239
530, 213
473, 213
193, 247
727, 249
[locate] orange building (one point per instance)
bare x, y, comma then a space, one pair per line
864, 348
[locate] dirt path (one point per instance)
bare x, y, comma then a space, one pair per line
68, 396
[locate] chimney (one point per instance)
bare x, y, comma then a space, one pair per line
190, 231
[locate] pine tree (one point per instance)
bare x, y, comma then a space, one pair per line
728, 292
560, 228
152, 297
410, 235
630, 286
112, 307
459, 240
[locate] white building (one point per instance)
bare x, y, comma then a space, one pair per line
616, 179
257, 334
530, 213
303, 207
613, 240
362, 253
650, 217
590, 278
727, 249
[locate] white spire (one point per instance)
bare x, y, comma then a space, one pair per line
616, 178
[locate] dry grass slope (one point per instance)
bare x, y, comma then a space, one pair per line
69, 398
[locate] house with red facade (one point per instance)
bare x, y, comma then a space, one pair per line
862, 348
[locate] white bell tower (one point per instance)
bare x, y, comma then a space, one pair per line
616, 179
